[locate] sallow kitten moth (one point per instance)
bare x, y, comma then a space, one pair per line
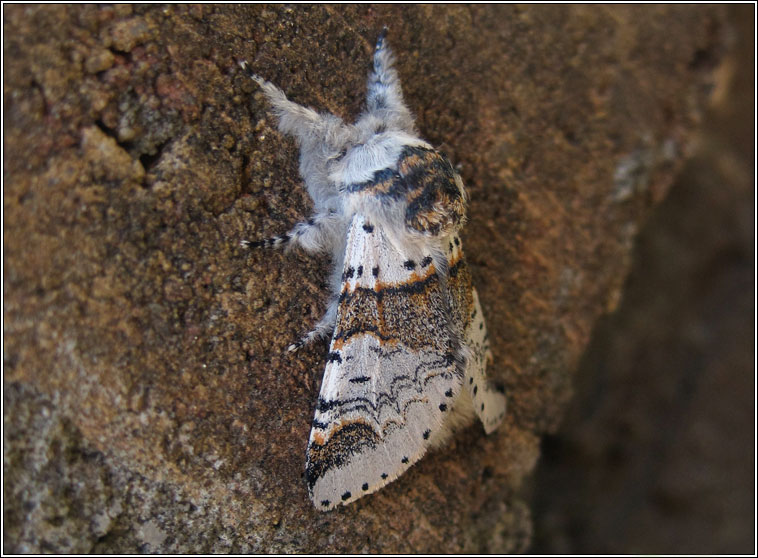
409, 348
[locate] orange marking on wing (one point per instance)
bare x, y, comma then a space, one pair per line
414, 278
455, 259
338, 344
321, 438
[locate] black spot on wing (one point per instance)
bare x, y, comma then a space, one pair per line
334, 357
318, 424
334, 453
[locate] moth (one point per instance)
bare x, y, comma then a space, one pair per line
409, 348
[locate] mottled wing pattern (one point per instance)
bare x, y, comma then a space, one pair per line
392, 373
427, 182
435, 195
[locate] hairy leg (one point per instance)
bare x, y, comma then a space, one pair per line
294, 119
314, 235
385, 97
323, 328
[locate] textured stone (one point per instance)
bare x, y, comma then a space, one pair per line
657, 453
149, 403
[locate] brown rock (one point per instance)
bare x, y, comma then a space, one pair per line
149, 404
99, 61
128, 33
657, 453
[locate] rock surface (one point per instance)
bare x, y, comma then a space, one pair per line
657, 452
148, 402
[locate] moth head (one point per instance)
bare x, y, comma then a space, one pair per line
374, 147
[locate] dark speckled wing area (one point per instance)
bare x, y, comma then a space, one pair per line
433, 191
436, 199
